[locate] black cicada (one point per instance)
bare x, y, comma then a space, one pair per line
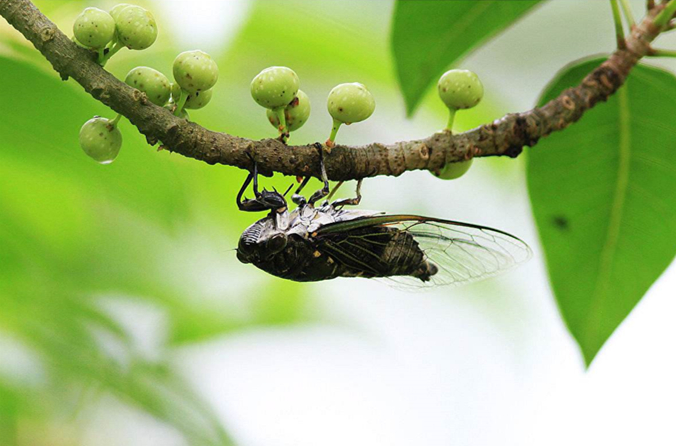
320, 243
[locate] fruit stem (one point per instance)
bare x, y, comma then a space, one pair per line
279, 111
117, 46
451, 118
334, 132
663, 53
113, 122
666, 14
626, 8
619, 32
181, 102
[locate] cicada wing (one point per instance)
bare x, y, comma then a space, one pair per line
462, 252
465, 253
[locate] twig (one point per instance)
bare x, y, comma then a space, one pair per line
617, 19
626, 8
504, 137
663, 18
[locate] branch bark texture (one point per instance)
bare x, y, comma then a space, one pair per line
504, 137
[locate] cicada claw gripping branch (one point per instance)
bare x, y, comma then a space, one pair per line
503, 137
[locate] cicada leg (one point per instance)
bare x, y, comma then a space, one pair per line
241, 204
297, 197
324, 191
262, 201
348, 201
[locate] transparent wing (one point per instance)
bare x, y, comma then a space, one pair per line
462, 252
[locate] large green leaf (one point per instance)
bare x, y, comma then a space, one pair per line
603, 196
428, 36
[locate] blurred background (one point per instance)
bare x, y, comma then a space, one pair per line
125, 318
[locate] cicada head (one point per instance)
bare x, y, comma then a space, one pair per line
261, 241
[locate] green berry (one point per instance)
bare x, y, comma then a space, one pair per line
198, 99
153, 83
175, 92
275, 87
100, 139
350, 103
296, 113
136, 27
194, 101
460, 89
116, 10
195, 71
94, 28
451, 171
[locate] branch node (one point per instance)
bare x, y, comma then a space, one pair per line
568, 103
48, 32
423, 152
137, 95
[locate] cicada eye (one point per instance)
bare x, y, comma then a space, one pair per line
276, 243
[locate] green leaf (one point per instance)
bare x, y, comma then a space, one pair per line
428, 36
602, 195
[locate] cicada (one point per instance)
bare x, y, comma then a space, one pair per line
314, 243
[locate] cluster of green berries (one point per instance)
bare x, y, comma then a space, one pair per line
277, 89
195, 72
288, 107
125, 25
459, 90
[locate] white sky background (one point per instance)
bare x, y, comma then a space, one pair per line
480, 365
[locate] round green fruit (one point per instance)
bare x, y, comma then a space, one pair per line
175, 92
195, 71
153, 83
296, 113
100, 139
460, 89
194, 101
350, 103
452, 171
136, 27
275, 87
198, 99
116, 10
94, 28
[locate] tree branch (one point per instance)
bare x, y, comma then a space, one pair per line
504, 137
